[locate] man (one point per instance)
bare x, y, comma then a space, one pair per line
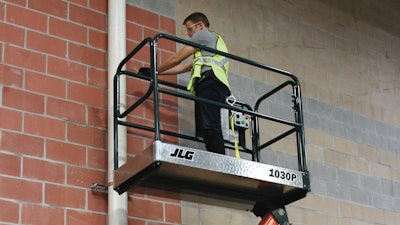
209, 77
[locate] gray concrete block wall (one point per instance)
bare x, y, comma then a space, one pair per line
165, 7
344, 123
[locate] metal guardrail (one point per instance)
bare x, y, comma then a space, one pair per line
154, 88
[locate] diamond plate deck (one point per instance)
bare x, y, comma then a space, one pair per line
194, 174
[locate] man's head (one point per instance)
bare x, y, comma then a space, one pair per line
194, 22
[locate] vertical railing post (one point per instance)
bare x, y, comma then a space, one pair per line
154, 74
302, 134
116, 114
255, 138
297, 104
297, 120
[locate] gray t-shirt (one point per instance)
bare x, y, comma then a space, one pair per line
207, 38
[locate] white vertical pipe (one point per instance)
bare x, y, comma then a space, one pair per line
117, 204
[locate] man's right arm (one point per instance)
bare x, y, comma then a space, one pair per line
173, 66
180, 68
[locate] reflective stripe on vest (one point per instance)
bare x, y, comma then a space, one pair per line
208, 60
218, 63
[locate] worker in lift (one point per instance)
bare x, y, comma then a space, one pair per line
209, 77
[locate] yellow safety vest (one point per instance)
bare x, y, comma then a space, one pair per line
218, 63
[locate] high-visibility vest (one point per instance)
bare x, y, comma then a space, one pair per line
218, 63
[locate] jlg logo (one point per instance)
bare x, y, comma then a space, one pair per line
180, 153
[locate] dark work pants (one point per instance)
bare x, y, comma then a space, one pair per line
208, 116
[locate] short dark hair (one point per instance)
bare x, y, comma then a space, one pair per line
197, 17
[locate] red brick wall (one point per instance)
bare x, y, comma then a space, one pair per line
53, 87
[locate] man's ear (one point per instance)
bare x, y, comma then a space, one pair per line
202, 26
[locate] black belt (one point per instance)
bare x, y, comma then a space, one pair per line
206, 75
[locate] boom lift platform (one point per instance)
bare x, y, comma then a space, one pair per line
197, 175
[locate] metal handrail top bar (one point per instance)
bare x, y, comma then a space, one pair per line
238, 58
